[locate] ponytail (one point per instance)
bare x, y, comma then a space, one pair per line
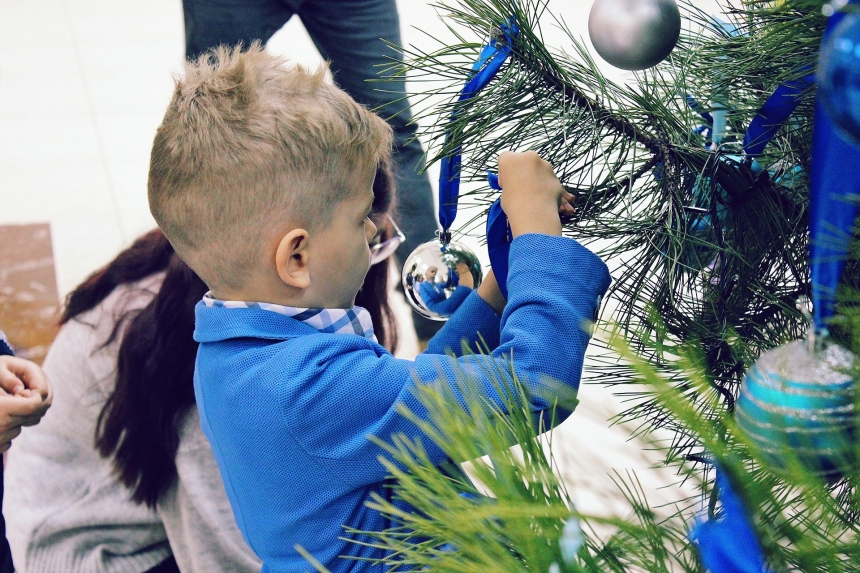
140, 422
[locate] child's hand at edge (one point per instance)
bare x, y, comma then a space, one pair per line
532, 195
25, 396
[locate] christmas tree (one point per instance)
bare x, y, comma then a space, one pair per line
708, 239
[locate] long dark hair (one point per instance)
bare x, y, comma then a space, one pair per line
140, 421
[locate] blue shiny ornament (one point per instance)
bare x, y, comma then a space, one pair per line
729, 544
839, 77
796, 403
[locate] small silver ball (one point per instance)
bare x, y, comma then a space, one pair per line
634, 34
437, 278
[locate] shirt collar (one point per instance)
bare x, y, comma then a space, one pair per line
355, 320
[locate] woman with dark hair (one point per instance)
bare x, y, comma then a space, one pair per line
119, 477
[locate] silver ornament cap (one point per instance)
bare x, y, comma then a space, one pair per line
634, 34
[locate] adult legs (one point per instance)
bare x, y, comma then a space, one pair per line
210, 23
354, 37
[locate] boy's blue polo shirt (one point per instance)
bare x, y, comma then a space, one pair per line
288, 409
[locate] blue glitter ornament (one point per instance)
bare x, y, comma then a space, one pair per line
839, 77
799, 403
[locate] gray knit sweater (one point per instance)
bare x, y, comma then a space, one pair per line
67, 513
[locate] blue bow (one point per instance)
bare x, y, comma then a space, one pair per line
498, 237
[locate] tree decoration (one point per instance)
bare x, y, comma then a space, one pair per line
457, 262
797, 406
634, 34
710, 248
839, 77
437, 277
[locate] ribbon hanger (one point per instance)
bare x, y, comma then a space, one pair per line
489, 61
833, 193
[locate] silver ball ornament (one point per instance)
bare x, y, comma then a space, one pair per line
798, 403
437, 277
634, 34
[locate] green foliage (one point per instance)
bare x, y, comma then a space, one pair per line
709, 258
514, 521
804, 523
705, 250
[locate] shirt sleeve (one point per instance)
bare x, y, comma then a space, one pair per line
474, 324
554, 285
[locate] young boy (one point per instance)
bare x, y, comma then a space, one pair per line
261, 178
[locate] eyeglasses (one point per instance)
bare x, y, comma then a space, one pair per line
381, 251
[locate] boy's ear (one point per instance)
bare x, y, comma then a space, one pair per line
291, 259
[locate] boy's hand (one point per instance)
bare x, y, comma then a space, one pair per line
25, 396
490, 292
532, 195
565, 210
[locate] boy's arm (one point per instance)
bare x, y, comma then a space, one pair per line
531, 199
542, 329
476, 322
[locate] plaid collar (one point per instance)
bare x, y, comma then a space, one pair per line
355, 320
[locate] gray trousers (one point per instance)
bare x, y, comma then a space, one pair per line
353, 35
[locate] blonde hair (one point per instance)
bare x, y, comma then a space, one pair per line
248, 144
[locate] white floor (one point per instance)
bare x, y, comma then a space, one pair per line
83, 86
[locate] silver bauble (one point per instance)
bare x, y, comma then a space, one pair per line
437, 277
634, 34
796, 403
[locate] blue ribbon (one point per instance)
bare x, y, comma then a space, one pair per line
833, 195
778, 108
489, 62
498, 237
729, 545
694, 105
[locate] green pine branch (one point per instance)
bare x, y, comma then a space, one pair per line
703, 249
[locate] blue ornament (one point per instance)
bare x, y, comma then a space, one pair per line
798, 403
839, 77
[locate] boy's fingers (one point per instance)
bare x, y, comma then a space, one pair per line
566, 210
